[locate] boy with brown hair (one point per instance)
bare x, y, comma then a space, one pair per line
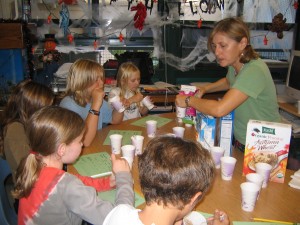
174, 175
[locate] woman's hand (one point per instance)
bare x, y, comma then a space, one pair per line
180, 101
200, 92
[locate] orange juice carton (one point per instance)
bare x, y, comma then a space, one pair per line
212, 131
267, 142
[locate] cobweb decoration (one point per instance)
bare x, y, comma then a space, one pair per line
109, 20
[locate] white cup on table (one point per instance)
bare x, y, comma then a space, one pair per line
116, 142
137, 141
151, 126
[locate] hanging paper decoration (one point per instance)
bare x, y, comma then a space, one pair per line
95, 45
50, 53
140, 15
199, 23
67, 2
121, 37
149, 7
296, 4
278, 25
192, 8
64, 18
179, 9
265, 40
70, 38
49, 18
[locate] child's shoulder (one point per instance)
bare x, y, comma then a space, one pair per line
123, 214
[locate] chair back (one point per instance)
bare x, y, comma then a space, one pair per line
8, 215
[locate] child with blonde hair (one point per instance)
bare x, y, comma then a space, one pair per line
49, 195
85, 96
128, 82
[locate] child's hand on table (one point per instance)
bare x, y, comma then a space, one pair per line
219, 218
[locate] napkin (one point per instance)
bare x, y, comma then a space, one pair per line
297, 174
295, 182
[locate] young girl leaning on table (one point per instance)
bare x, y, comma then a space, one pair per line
174, 175
128, 82
85, 96
48, 194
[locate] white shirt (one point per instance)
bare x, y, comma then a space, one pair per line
133, 110
123, 214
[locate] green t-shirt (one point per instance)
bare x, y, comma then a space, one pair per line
254, 80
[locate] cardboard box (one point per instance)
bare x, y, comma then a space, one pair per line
267, 142
226, 133
213, 131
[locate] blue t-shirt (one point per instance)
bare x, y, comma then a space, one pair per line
105, 116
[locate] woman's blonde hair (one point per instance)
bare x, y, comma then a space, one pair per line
236, 30
46, 130
124, 72
83, 73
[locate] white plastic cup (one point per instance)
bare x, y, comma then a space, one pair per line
180, 112
264, 169
256, 179
216, 153
128, 151
147, 102
194, 218
130, 161
117, 104
116, 142
249, 196
178, 131
137, 141
151, 128
227, 167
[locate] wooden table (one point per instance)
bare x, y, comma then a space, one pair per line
276, 202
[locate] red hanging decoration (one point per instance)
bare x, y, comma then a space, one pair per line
296, 4
95, 45
49, 18
199, 23
140, 15
121, 37
70, 38
67, 2
266, 40
155, 1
